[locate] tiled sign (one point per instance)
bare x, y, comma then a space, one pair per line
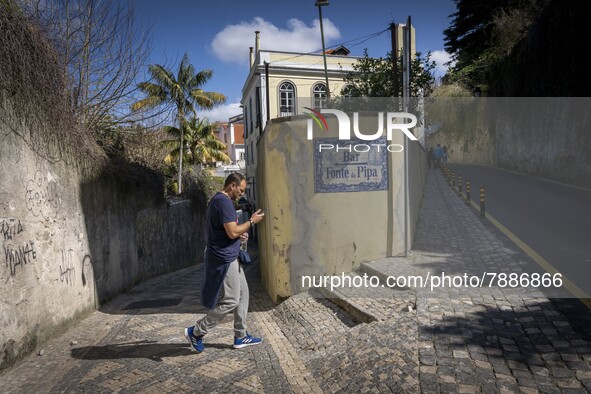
350, 166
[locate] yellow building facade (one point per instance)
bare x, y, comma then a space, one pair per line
326, 212
282, 84
329, 211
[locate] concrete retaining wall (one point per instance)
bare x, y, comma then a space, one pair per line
541, 136
417, 177
68, 243
312, 231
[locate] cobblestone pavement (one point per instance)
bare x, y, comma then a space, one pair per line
405, 339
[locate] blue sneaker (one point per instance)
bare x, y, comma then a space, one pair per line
247, 340
195, 342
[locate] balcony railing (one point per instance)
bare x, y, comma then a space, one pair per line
286, 111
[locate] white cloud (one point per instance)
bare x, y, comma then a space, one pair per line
441, 57
221, 113
232, 43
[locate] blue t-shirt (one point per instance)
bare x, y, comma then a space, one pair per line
220, 248
438, 152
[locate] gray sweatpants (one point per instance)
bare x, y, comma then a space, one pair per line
234, 298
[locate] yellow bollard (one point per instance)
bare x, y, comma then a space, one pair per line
482, 212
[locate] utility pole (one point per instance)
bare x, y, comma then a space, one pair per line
394, 59
406, 41
320, 4
268, 107
406, 55
406, 60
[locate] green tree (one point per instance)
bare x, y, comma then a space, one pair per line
482, 33
470, 30
201, 145
206, 148
372, 77
183, 92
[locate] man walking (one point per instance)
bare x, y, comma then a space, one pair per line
224, 274
437, 155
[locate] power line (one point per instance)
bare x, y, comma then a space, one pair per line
369, 37
364, 38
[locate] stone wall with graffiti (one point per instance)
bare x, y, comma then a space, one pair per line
68, 242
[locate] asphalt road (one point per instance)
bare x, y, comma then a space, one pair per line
551, 218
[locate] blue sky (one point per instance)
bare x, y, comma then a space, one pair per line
217, 34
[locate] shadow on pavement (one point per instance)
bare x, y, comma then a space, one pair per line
151, 350
158, 306
181, 293
536, 335
140, 349
573, 309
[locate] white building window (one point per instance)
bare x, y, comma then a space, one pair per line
286, 99
319, 94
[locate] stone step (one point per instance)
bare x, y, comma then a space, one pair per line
357, 310
309, 320
396, 266
372, 301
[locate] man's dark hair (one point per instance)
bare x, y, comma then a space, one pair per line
234, 177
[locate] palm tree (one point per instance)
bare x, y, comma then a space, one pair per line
183, 92
200, 144
206, 148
